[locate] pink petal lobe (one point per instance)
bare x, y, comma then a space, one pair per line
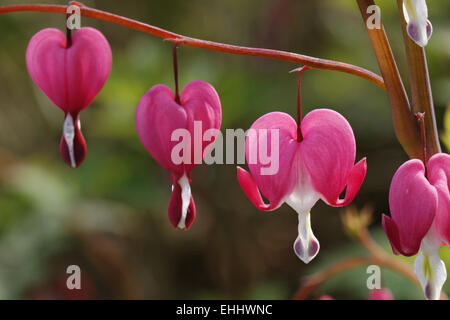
272, 133
413, 203
354, 182
391, 230
202, 104
328, 152
439, 176
70, 77
159, 116
251, 190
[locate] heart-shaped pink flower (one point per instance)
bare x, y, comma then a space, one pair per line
419, 200
161, 122
71, 77
320, 166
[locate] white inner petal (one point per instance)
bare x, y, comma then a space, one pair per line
302, 199
429, 268
416, 16
415, 10
69, 136
306, 246
408, 11
186, 199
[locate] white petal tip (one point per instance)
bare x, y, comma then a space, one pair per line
419, 34
306, 246
186, 199
430, 269
431, 293
306, 251
69, 137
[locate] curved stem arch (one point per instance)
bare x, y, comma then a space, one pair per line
312, 62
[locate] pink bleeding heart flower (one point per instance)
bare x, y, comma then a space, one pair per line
71, 75
161, 121
320, 166
314, 159
380, 294
419, 202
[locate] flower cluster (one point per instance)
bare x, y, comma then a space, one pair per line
316, 154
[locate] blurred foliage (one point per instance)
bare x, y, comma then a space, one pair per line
110, 216
446, 134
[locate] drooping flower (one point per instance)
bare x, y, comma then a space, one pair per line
380, 294
320, 166
419, 202
316, 159
158, 119
71, 75
418, 26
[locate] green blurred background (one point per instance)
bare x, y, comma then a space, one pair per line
110, 216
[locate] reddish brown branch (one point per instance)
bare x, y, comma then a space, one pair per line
312, 62
405, 125
317, 279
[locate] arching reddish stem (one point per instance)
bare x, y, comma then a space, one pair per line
312, 62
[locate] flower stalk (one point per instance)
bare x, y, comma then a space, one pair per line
175, 73
299, 102
422, 97
405, 125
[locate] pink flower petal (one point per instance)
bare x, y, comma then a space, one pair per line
354, 183
70, 77
439, 176
328, 152
251, 190
158, 115
391, 230
275, 187
202, 104
413, 203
